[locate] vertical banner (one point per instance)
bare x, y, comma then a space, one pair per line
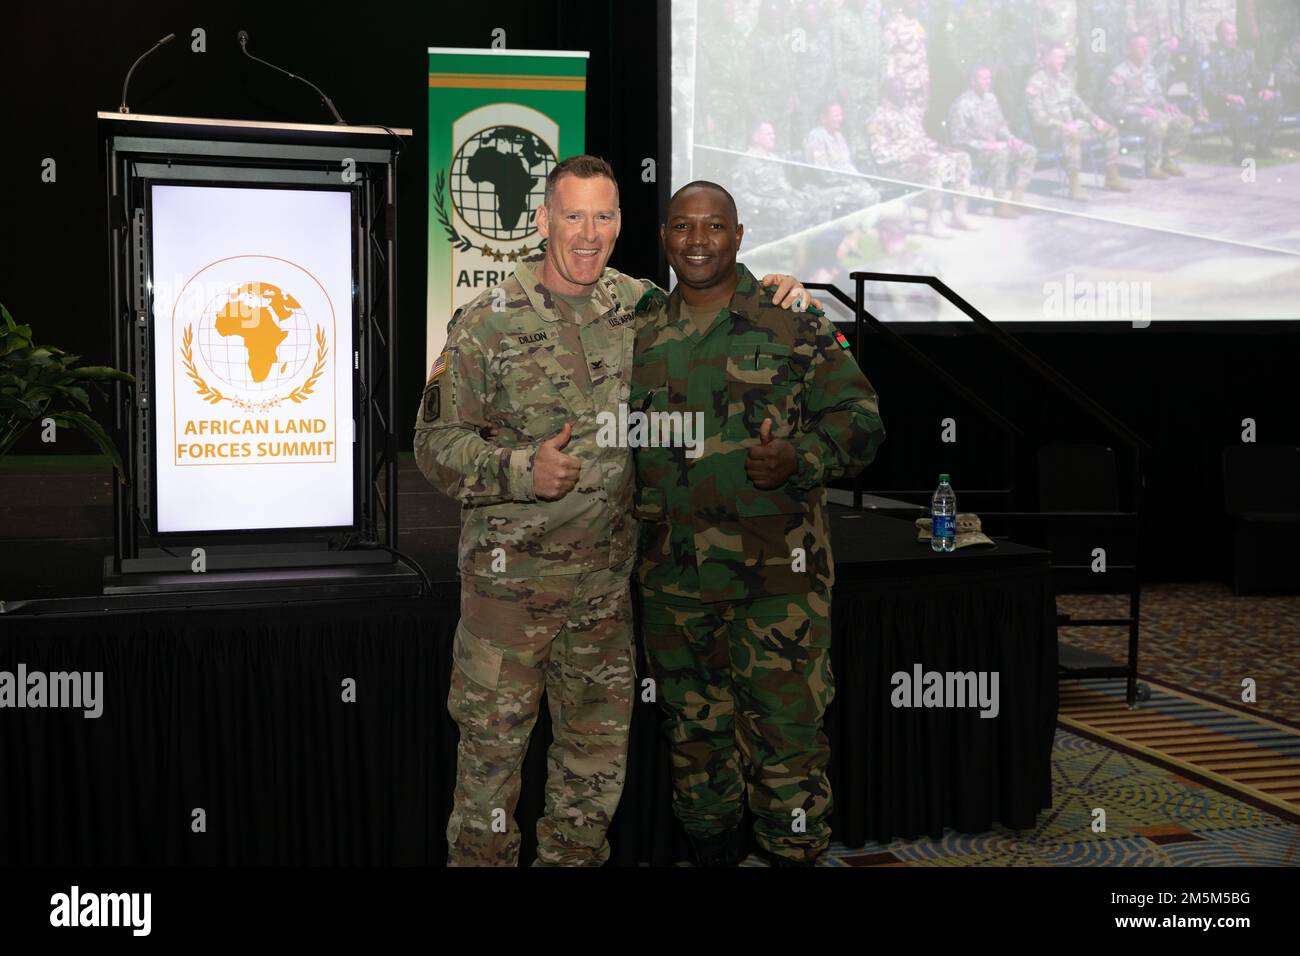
499, 120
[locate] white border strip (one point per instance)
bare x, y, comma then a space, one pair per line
478, 52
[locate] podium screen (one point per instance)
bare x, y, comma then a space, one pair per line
252, 339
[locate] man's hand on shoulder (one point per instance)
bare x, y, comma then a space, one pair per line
772, 461
554, 472
789, 293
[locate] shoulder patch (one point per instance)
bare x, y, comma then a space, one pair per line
652, 299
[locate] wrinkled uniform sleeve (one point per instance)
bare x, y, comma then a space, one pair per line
840, 426
449, 448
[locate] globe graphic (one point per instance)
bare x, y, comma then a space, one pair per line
229, 358
498, 177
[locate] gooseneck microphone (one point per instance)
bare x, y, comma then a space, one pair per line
127, 82
243, 45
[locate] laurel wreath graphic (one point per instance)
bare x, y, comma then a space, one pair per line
306, 388
214, 396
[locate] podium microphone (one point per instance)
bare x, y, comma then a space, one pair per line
243, 45
127, 82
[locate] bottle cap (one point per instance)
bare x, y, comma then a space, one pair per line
943, 478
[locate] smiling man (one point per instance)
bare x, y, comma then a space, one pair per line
509, 425
735, 563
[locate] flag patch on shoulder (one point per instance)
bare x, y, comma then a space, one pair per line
439, 366
843, 342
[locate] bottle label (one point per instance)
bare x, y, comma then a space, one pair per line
944, 526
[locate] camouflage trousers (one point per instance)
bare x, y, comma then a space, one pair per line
745, 686
996, 165
571, 636
1070, 144
940, 168
1165, 134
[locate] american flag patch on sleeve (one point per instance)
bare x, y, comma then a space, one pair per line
439, 366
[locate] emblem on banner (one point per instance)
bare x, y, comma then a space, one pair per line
496, 181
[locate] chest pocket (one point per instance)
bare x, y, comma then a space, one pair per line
763, 381
537, 394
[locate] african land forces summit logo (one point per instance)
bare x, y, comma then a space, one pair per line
256, 344
501, 157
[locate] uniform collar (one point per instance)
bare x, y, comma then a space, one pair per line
527, 271
745, 301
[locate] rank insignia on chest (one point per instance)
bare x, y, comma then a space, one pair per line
841, 340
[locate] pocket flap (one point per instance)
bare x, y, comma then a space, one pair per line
650, 504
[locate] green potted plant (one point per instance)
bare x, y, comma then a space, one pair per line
39, 382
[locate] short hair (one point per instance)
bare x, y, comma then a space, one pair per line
583, 166
714, 187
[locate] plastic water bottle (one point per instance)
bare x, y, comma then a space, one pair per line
943, 517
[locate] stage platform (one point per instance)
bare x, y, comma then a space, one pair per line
237, 709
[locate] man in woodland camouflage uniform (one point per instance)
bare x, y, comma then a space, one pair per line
735, 566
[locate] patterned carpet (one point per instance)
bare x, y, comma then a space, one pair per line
1203, 640
1153, 818
1193, 777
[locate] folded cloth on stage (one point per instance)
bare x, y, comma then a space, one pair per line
967, 530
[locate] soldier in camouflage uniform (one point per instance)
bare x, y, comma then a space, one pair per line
855, 55
735, 568
1235, 91
906, 60
1061, 115
508, 425
543, 557
759, 178
976, 124
1159, 22
826, 148
902, 151
1137, 100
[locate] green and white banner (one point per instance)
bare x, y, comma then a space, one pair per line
499, 120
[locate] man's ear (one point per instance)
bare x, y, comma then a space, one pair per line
618, 222
663, 232
543, 222
740, 233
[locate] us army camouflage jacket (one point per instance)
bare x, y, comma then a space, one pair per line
1054, 102
505, 368
1132, 88
975, 119
706, 531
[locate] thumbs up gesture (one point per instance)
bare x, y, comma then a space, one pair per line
770, 462
554, 472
